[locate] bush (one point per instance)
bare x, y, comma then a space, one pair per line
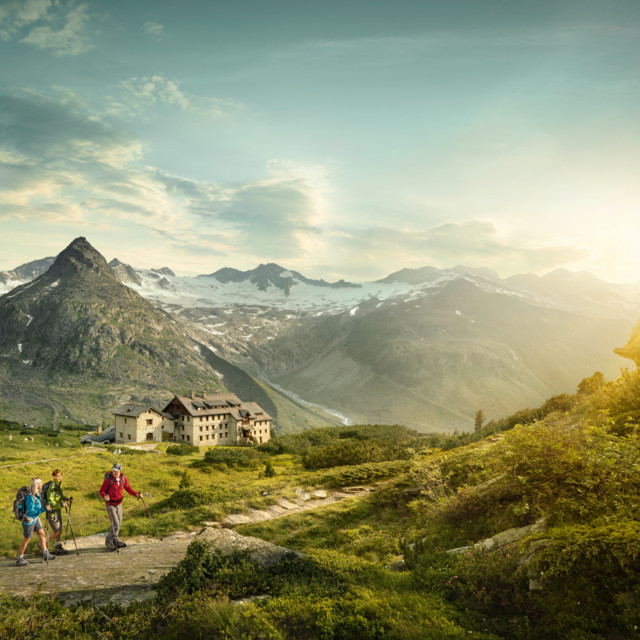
181, 449
358, 452
191, 497
231, 456
591, 578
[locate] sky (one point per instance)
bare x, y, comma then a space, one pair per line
343, 139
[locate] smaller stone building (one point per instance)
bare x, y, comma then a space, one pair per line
138, 423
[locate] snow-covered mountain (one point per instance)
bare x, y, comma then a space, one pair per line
424, 347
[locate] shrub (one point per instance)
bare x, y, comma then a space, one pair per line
350, 453
231, 456
591, 578
181, 449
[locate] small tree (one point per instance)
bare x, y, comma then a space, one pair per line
480, 419
269, 471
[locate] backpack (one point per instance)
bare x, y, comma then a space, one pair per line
19, 506
112, 479
45, 488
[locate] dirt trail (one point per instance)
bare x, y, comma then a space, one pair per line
102, 577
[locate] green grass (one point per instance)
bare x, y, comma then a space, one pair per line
578, 469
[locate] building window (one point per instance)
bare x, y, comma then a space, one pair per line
121, 434
200, 429
149, 421
200, 438
128, 436
188, 438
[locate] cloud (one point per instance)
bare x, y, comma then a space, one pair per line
58, 26
474, 242
17, 14
154, 30
61, 162
157, 89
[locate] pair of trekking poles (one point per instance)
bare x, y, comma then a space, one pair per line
69, 527
113, 527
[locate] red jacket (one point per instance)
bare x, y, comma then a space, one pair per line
114, 487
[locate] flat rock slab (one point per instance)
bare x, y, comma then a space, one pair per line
104, 577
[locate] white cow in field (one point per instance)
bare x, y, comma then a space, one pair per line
10, 437
25, 439
56, 444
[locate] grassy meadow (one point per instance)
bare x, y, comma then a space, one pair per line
377, 566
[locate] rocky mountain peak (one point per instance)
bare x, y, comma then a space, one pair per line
78, 258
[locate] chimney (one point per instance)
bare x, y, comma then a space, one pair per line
99, 429
204, 395
193, 395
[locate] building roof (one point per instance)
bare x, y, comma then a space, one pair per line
135, 410
216, 403
207, 404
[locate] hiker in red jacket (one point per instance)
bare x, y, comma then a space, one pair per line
112, 492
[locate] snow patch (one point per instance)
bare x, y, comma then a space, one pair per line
458, 313
19, 347
352, 312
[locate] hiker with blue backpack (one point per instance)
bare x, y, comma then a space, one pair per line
27, 508
112, 491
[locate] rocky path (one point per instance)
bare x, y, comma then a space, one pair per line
303, 501
101, 577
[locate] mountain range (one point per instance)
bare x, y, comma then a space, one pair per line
422, 347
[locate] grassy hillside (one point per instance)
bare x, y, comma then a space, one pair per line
379, 566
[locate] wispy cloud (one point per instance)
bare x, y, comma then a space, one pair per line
474, 242
61, 162
140, 92
55, 25
154, 30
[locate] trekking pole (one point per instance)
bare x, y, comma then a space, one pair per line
70, 527
46, 544
66, 533
147, 510
115, 535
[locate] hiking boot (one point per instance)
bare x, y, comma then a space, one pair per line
122, 544
47, 555
112, 547
21, 562
59, 549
